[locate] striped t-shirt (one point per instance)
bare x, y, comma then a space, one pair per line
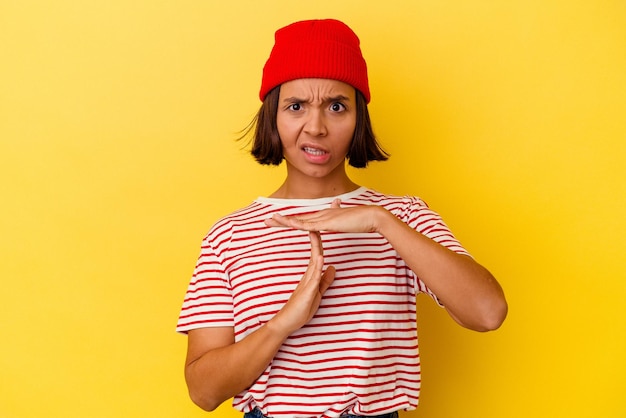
359, 353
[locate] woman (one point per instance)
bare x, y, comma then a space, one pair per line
302, 304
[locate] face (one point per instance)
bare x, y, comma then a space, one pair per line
316, 120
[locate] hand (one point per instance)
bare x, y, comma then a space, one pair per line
354, 219
306, 298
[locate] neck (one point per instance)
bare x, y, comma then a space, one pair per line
313, 188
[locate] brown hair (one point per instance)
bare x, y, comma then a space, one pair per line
267, 148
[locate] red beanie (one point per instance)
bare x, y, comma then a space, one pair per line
315, 49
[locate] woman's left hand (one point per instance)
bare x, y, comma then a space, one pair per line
336, 219
471, 294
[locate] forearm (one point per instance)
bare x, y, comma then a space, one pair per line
217, 368
470, 293
223, 372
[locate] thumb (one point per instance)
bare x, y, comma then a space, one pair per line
335, 204
327, 278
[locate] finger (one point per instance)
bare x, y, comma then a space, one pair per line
327, 279
316, 262
278, 220
313, 273
299, 222
336, 204
316, 244
274, 222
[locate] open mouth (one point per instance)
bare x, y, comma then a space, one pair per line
316, 155
313, 151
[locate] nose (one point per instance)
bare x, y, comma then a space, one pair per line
316, 124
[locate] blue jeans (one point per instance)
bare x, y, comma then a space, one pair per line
256, 413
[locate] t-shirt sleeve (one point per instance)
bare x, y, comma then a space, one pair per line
426, 221
208, 301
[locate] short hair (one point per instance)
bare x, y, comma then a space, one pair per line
268, 150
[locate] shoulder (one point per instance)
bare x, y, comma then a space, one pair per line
410, 209
224, 227
393, 203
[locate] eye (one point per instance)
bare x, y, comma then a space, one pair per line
295, 107
337, 107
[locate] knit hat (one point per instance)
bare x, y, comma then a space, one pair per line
324, 48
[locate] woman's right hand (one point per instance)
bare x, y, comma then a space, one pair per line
307, 296
217, 367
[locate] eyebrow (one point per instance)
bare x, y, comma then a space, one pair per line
337, 98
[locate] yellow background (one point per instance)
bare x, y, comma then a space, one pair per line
117, 153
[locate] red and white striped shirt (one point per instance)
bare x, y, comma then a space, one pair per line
359, 353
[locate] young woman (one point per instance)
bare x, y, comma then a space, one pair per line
302, 304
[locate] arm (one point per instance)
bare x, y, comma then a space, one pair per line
217, 368
472, 296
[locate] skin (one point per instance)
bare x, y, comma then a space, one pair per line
316, 120
315, 114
